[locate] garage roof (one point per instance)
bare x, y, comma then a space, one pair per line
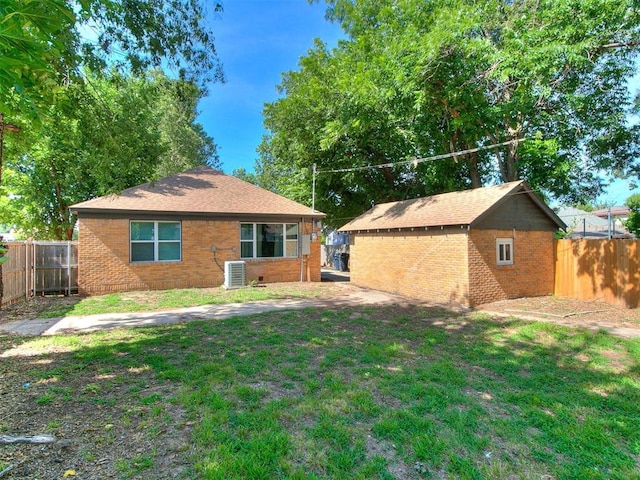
464, 208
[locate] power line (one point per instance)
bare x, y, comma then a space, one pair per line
415, 160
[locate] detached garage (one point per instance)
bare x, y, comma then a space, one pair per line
465, 248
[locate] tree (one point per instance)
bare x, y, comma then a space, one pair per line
633, 220
418, 79
45, 43
242, 174
116, 133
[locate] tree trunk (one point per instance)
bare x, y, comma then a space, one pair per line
474, 171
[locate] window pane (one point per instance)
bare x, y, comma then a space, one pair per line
169, 251
246, 249
168, 230
246, 231
141, 230
292, 249
142, 252
501, 252
292, 231
507, 252
270, 240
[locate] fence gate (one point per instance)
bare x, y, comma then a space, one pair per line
39, 268
55, 268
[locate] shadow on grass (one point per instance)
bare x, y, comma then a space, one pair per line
389, 392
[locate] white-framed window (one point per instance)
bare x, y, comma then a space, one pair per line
504, 251
268, 240
155, 241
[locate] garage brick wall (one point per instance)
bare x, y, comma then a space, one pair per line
428, 265
453, 266
104, 264
531, 275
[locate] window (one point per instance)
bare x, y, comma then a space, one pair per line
155, 241
504, 251
268, 240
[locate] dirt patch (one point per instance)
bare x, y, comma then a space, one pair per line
94, 434
568, 311
34, 306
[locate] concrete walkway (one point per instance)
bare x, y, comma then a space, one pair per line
88, 323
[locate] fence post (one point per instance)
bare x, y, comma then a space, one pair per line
68, 268
26, 270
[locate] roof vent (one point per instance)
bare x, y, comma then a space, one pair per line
234, 274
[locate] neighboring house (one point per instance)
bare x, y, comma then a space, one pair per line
470, 247
617, 216
582, 224
179, 231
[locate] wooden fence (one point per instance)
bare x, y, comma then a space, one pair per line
602, 270
38, 268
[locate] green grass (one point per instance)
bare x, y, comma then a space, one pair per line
320, 394
179, 298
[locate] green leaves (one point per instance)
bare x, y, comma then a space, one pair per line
3, 255
423, 78
115, 132
633, 220
44, 44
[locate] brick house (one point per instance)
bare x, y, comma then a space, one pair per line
179, 231
466, 248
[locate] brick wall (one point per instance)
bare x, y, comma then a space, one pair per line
453, 266
104, 259
428, 265
532, 273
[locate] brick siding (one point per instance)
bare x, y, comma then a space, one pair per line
453, 266
427, 265
532, 272
104, 264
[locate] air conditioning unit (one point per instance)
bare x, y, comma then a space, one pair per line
234, 274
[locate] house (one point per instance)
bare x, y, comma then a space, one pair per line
179, 231
582, 224
469, 247
615, 217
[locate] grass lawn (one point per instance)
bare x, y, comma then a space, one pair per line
362, 393
166, 299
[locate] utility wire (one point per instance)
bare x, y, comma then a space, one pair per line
415, 161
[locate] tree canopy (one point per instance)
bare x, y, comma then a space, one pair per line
633, 220
419, 78
44, 44
116, 132
84, 82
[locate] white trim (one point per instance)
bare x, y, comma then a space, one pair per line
254, 240
504, 251
155, 241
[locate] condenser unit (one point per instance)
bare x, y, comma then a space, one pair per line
234, 274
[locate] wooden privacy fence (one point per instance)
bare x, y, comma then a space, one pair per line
603, 270
37, 268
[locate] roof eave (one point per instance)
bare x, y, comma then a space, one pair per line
459, 226
115, 211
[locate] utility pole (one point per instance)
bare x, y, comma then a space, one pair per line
8, 128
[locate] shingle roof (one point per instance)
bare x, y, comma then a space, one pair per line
201, 190
447, 209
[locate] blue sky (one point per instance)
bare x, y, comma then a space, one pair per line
257, 41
